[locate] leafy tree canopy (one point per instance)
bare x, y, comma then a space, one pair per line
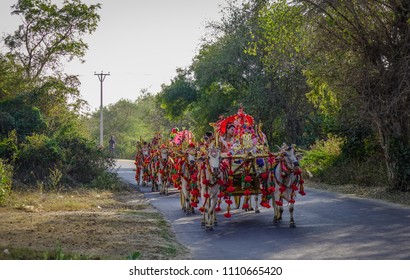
49, 33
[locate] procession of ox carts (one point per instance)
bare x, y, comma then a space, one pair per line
231, 167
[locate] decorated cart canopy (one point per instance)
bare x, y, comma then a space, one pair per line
240, 120
248, 138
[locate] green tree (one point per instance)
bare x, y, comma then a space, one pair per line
279, 42
179, 95
225, 74
18, 115
11, 78
6, 174
41, 133
50, 33
130, 121
364, 50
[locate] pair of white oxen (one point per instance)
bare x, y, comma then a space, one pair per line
208, 174
154, 169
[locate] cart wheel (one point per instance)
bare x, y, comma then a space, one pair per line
237, 201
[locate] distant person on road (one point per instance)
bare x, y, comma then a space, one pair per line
112, 145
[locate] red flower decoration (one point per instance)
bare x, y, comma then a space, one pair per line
217, 208
202, 209
227, 215
230, 189
301, 181
221, 194
228, 201
245, 206
264, 176
194, 204
292, 201
279, 203
302, 192
271, 189
206, 195
282, 189
247, 192
248, 179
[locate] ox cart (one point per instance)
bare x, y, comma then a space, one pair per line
241, 169
245, 155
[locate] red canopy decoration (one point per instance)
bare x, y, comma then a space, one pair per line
240, 119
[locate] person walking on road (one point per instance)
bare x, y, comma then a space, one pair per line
112, 145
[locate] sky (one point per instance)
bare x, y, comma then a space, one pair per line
140, 43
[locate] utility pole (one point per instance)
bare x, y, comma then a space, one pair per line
101, 77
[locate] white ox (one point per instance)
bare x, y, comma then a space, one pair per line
210, 179
287, 177
188, 173
142, 166
164, 167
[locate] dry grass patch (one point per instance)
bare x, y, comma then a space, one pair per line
78, 200
85, 224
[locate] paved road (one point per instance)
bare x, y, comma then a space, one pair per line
329, 226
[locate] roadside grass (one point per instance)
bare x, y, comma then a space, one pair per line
77, 200
31, 254
116, 224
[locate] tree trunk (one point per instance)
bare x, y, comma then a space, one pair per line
396, 149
